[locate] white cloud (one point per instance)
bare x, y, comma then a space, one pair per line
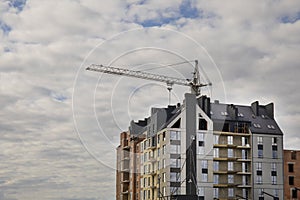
255, 52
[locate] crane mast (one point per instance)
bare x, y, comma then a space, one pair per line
194, 84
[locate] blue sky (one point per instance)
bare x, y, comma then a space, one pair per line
60, 124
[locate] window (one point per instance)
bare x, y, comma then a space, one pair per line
163, 163
163, 179
274, 141
244, 154
201, 149
259, 179
204, 165
274, 180
274, 154
175, 163
202, 124
275, 192
216, 139
230, 192
273, 166
174, 177
216, 152
256, 125
291, 180
244, 141
174, 135
259, 166
240, 115
291, 167
294, 193
216, 166
293, 155
164, 136
230, 178
230, 166
216, 179
201, 191
158, 152
164, 191
261, 194
260, 148
216, 193
230, 153
259, 140
229, 139
175, 149
224, 113
164, 150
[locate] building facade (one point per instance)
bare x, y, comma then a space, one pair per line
291, 174
209, 150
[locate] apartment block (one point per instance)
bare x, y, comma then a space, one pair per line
291, 174
208, 150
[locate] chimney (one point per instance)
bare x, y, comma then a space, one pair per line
270, 110
255, 108
232, 111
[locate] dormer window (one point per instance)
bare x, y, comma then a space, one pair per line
264, 116
256, 125
270, 126
240, 115
224, 113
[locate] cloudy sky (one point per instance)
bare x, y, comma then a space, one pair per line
60, 124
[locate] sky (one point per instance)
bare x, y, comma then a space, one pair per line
60, 124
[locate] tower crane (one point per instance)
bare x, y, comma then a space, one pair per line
194, 84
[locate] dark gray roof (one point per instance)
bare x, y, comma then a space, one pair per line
260, 118
262, 123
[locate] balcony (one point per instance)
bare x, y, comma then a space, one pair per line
244, 173
224, 172
224, 146
127, 147
224, 185
224, 158
247, 146
244, 159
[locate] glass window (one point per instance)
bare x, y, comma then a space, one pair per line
230, 166
174, 135
274, 154
291, 180
163, 163
174, 177
175, 149
230, 178
244, 154
274, 180
260, 153
230, 153
229, 139
274, 141
294, 155
291, 167
204, 164
294, 193
259, 140
216, 179
216, 193
204, 177
216, 139
259, 166
216, 166
163, 178
201, 191
259, 179
164, 150
273, 166
230, 192
216, 152
175, 163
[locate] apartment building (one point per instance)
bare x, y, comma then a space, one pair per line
291, 174
127, 174
209, 150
